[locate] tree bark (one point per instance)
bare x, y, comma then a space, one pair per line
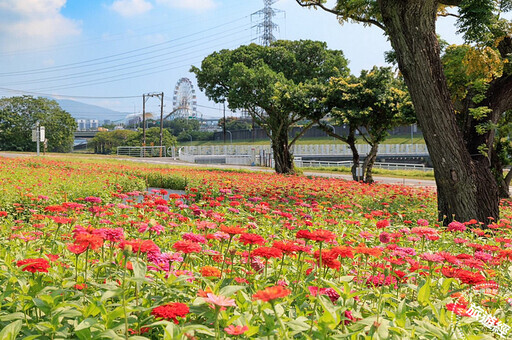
465, 185
497, 169
369, 162
282, 156
351, 141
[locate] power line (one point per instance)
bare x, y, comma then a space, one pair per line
129, 75
62, 95
134, 63
91, 61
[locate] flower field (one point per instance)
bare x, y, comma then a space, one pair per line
86, 253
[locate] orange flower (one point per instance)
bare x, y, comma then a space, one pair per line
209, 271
271, 293
375, 252
204, 293
232, 230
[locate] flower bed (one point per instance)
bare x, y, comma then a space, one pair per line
240, 255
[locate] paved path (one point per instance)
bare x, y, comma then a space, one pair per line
378, 179
171, 161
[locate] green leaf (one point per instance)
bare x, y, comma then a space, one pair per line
87, 323
12, 316
199, 329
251, 331
42, 305
329, 309
299, 325
230, 290
424, 292
10, 332
139, 268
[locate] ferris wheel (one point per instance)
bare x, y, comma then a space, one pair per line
184, 101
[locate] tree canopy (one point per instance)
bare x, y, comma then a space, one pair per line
270, 83
373, 103
106, 142
18, 116
459, 133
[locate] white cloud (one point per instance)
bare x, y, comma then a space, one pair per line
199, 5
34, 23
130, 8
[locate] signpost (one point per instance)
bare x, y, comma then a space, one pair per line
38, 135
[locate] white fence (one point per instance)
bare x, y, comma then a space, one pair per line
142, 151
380, 165
339, 149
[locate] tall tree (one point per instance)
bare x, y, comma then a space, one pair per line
269, 82
460, 154
373, 103
18, 115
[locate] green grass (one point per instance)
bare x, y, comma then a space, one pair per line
428, 175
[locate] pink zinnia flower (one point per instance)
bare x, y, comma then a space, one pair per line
219, 300
236, 330
385, 237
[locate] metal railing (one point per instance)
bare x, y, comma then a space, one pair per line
142, 151
380, 165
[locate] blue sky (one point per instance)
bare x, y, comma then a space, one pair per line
124, 48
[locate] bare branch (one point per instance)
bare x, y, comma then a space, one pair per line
318, 4
448, 15
450, 2
306, 128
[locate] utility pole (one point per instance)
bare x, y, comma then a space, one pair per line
38, 136
161, 122
145, 97
143, 120
224, 122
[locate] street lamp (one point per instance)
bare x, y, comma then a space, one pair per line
230, 136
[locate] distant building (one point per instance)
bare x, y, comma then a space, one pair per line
209, 125
94, 124
87, 124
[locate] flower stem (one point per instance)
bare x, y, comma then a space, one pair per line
279, 319
217, 328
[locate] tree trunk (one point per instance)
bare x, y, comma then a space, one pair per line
351, 141
369, 162
282, 157
466, 188
503, 182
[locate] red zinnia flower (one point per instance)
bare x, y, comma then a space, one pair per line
343, 252
89, 241
321, 235
232, 230
34, 265
248, 238
267, 252
305, 234
286, 247
187, 247
272, 293
76, 248
140, 246
171, 311
470, 278
382, 224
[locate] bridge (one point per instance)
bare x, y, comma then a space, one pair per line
85, 134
